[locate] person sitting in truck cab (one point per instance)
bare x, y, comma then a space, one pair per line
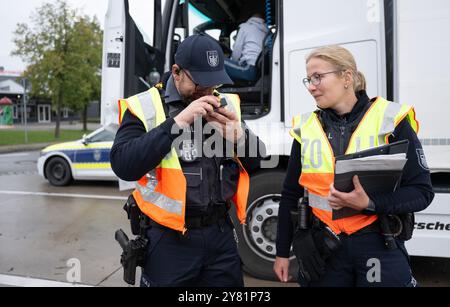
249, 43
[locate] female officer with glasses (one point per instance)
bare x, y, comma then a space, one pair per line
346, 121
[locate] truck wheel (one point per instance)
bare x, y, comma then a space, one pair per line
58, 172
257, 239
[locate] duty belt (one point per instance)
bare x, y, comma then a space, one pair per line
374, 227
195, 222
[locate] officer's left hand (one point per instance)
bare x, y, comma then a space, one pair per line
357, 199
226, 123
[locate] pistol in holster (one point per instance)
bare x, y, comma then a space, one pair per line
134, 251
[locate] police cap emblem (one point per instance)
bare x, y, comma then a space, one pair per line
213, 58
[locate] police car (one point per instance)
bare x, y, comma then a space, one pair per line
85, 159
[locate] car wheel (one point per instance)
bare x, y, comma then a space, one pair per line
257, 239
58, 172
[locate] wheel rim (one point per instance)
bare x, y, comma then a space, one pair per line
58, 172
261, 229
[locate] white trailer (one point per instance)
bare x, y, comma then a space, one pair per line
401, 46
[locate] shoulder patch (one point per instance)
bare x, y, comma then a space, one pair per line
422, 160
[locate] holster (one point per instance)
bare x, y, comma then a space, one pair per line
327, 242
313, 247
134, 251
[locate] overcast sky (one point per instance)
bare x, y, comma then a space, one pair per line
18, 11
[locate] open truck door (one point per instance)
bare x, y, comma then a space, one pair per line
132, 60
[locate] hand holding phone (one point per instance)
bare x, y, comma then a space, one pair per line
223, 104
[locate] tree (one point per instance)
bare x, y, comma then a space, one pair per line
85, 66
64, 55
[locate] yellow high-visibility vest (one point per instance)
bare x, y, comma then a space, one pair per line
318, 161
161, 194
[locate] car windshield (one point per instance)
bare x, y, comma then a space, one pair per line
102, 136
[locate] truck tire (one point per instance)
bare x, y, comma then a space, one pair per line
58, 172
256, 239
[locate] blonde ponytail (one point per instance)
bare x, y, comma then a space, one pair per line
360, 83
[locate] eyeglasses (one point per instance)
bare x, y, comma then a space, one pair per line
198, 87
316, 79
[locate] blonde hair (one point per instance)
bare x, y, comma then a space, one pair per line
343, 60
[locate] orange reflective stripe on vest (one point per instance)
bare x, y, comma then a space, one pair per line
318, 161
161, 194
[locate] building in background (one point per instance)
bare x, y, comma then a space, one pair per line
38, 110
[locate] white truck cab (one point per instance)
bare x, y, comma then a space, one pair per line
401, 47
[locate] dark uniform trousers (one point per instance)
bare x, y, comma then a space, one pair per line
206, 257
364, 261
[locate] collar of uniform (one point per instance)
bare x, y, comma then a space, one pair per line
361, 106
171, 94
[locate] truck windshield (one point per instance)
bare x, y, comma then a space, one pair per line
197, 18
142, 13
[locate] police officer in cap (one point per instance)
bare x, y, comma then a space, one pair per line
180, 142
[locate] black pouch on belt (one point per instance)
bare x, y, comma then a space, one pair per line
134, 215
407, 222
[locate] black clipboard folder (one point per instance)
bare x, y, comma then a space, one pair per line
373, 181
388, 149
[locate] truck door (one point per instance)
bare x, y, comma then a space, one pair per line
354, 24
133, 59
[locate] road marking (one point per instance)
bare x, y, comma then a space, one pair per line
17, 281
90, 196
19, 173
15, 155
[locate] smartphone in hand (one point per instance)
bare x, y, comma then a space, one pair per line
223, 104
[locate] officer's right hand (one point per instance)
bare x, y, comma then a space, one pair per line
281, 268
198, 108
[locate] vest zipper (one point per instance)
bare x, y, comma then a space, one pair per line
342, 123
213, 189
342, 139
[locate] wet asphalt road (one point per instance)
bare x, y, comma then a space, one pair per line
18, 163
42, 230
